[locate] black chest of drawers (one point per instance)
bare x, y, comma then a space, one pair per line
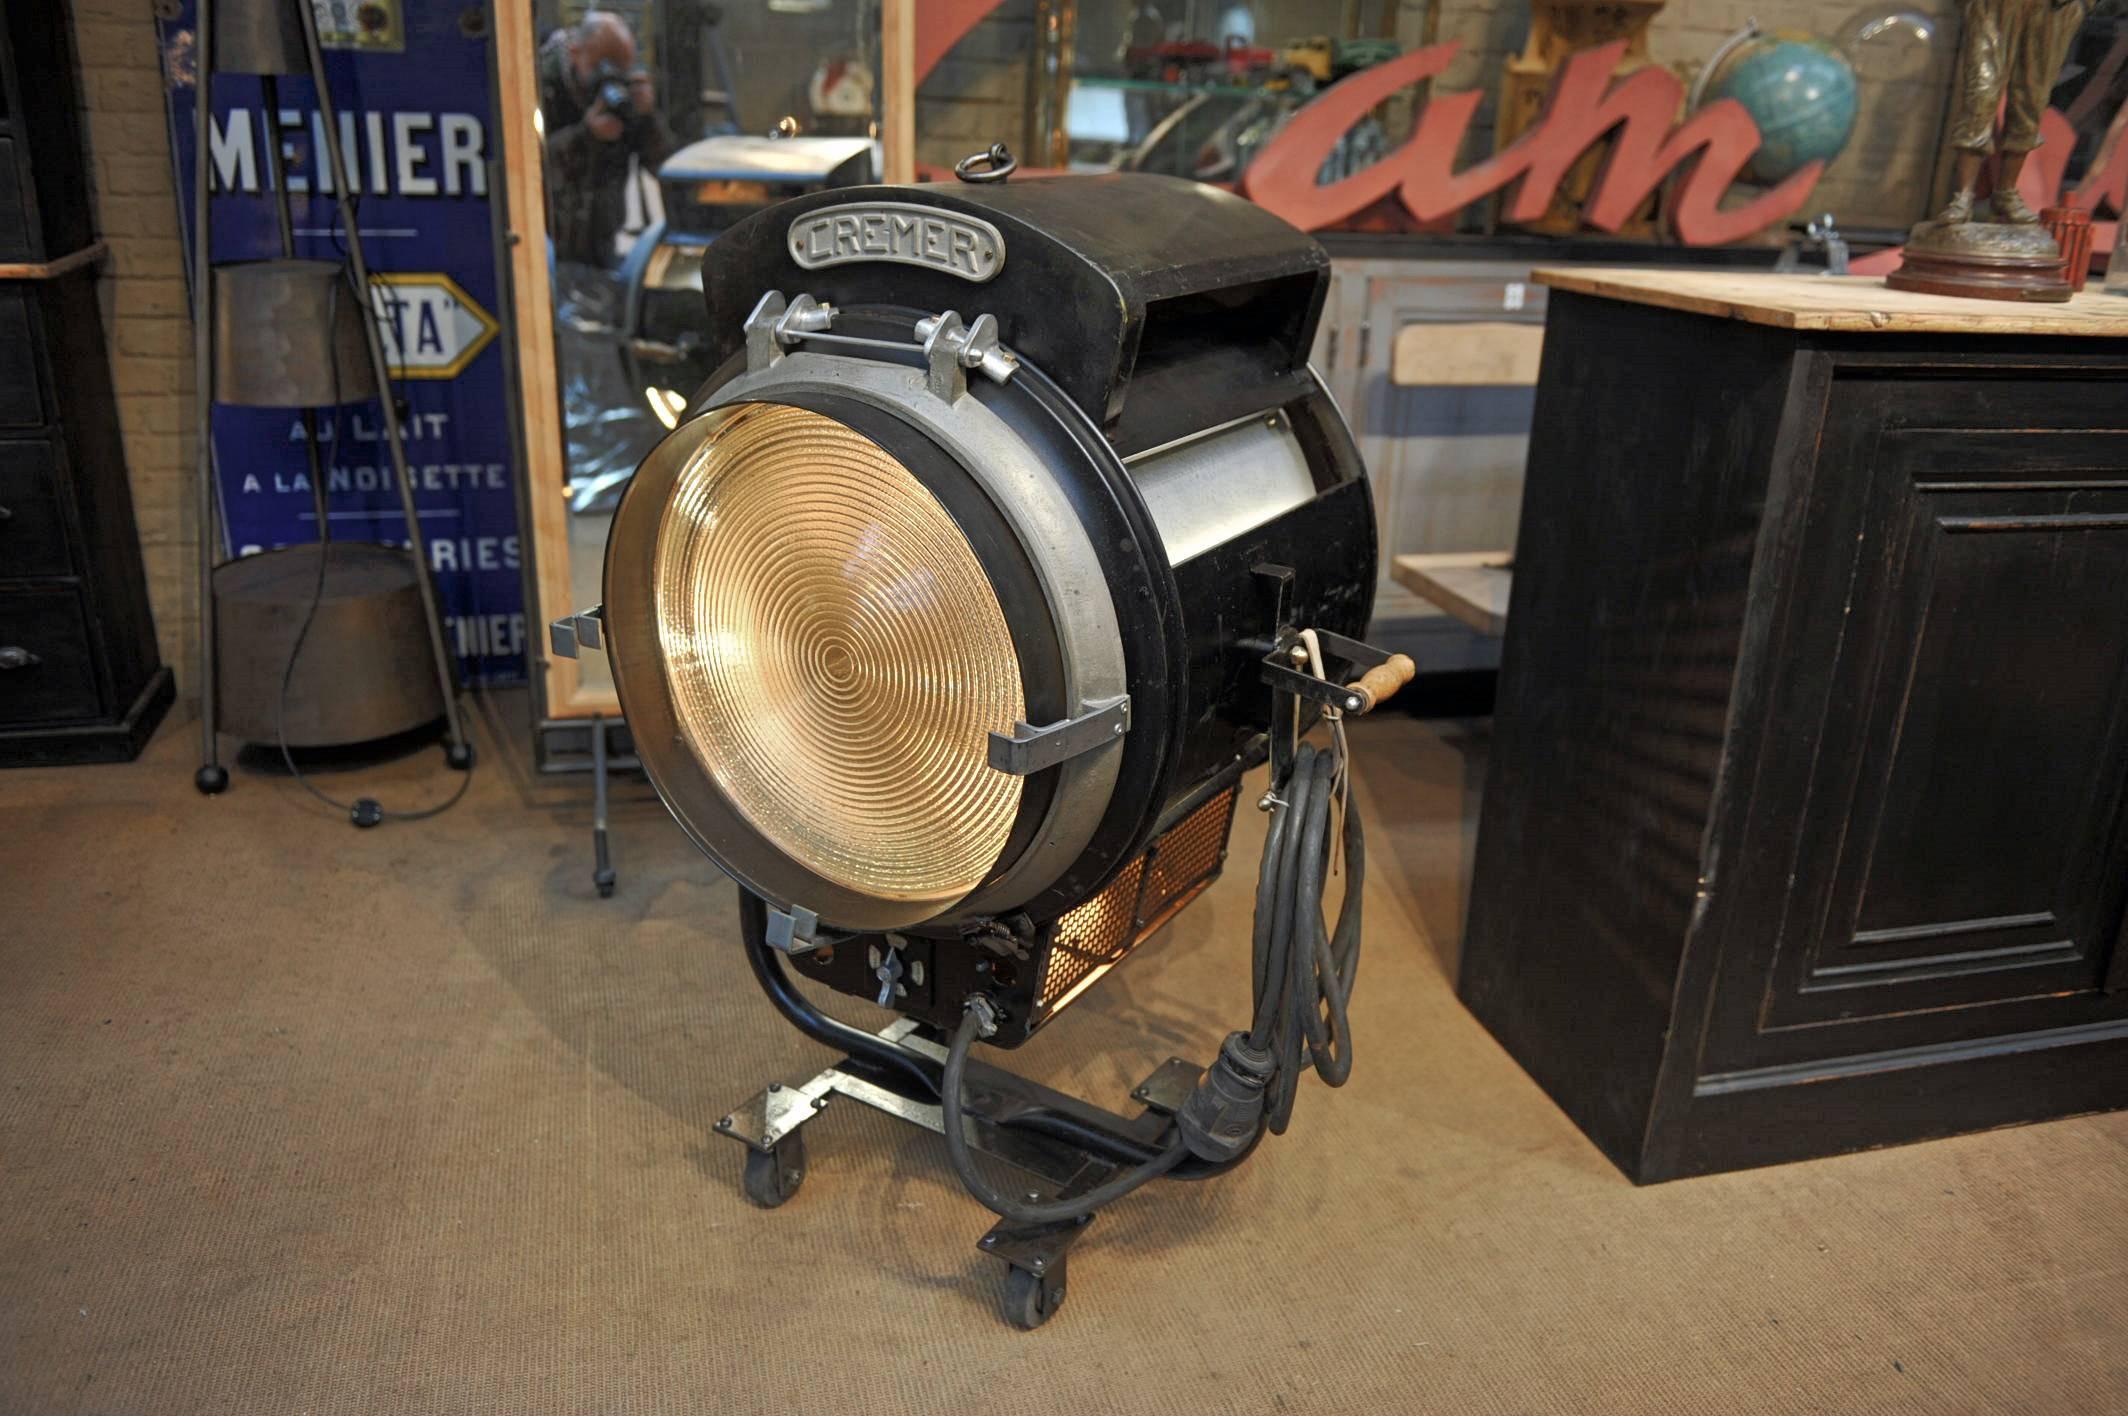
80, 678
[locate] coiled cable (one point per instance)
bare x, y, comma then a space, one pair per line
1302, 976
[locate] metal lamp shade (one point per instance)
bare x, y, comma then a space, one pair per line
364, 672
258, 37
288, 334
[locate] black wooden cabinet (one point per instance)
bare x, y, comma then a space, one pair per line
80, 679
44, 176
1804, 826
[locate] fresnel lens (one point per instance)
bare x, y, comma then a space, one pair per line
1012, 532
836, 656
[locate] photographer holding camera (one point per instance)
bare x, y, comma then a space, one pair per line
599, 110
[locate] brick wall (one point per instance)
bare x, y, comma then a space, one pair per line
146, 323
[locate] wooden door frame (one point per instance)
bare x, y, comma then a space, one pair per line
545, 534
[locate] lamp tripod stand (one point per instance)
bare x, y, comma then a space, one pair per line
286, 350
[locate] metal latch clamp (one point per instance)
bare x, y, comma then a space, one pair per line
794, 932
584, 629
1030, 749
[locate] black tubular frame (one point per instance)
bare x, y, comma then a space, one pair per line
1014, 1103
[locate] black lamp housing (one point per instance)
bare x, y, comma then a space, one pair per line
1143, 339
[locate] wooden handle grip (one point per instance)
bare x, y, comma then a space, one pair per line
1382, 681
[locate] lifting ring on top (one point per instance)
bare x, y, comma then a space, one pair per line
993, 166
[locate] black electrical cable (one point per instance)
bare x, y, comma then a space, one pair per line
363, 811
922, 1075
1030, 1211
1302, 974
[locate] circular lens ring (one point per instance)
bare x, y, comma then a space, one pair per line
1154, 646
835, 655
1013, 579
1149, 615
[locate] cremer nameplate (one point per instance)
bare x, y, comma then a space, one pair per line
965, 246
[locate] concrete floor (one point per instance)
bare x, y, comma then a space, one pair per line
300, 1119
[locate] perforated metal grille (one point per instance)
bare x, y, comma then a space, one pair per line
1093, 936
1185, 859
1096, 935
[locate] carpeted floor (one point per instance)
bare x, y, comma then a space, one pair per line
300, 1119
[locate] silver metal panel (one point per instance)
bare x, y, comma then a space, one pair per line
1205, 490
288, 334
258, 37
364, 672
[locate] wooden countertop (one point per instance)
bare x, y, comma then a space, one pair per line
1471, 585
1855, 304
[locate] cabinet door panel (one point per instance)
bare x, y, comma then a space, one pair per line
21, 390
1954, 772
1978, 812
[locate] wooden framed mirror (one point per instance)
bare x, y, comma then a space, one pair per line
628, 135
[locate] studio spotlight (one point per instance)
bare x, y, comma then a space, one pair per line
1012, 531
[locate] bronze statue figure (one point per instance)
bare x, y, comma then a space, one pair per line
2014, 47
2012, 52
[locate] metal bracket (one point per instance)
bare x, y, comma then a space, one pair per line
1168, 1087
773, 1114
1031, 749
585, 629
1349, 658
951, 349
792, 933
775, 326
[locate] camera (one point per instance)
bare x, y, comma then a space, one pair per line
612, 89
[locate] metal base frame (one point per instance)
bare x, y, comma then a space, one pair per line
1055, 1145
601, 857
563, 745
599, 745
212, 778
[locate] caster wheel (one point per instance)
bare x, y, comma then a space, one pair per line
1030, 1297
459, 756
604, 881
773, 1176
212, 780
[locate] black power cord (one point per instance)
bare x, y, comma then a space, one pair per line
364, 812
979, 1016
1303, 975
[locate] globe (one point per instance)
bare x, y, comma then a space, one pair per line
1801, 93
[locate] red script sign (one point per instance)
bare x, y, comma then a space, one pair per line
1585, 105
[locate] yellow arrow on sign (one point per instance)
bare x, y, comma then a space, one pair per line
432, 329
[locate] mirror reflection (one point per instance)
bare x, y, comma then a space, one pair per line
663, 123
